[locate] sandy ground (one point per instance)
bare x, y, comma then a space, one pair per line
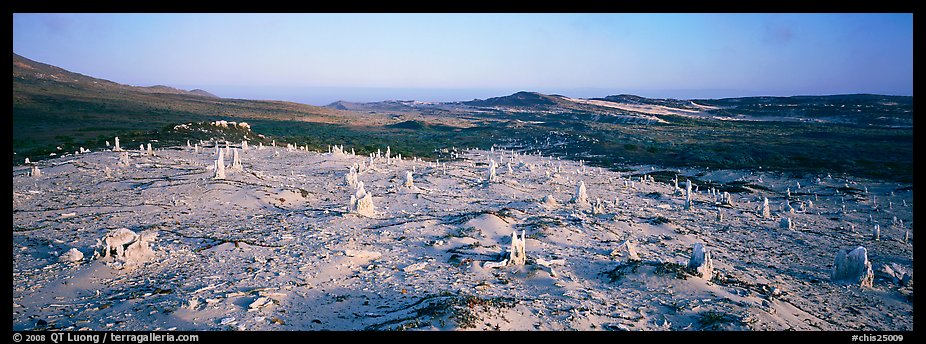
272, 247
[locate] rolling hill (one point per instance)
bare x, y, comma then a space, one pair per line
58, 111
53, 107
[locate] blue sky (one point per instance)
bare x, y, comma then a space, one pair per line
319, 58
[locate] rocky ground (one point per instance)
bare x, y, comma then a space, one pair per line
273, 246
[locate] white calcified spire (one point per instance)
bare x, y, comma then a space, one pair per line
580, 197
700, 261
236, 162
220, 166
548, 201
517, 255
409, 180
876, 233
687, 194
188, 144
244, 145
726, 199
361, 202
764, 211
117, 148
853, 267
124, 158
150, 151
786, 224
36, 172
492, 177
598, 207
141, 148
360, 190
365, 206
351, 177
626, 250
27, 161
510, 171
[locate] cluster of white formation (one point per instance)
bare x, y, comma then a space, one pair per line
351, 176
226, 124
336, 150
127, 248
786, 224
491, 173
700, 261
36, 172
853, 267
516, 254
124, 158
361, 202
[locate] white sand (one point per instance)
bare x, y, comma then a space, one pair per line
271, 247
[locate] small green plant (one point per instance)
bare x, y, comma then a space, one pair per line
658, 220
622, 270
714, 320
674, 269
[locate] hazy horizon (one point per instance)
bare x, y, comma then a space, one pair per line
321, 96
451, 57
